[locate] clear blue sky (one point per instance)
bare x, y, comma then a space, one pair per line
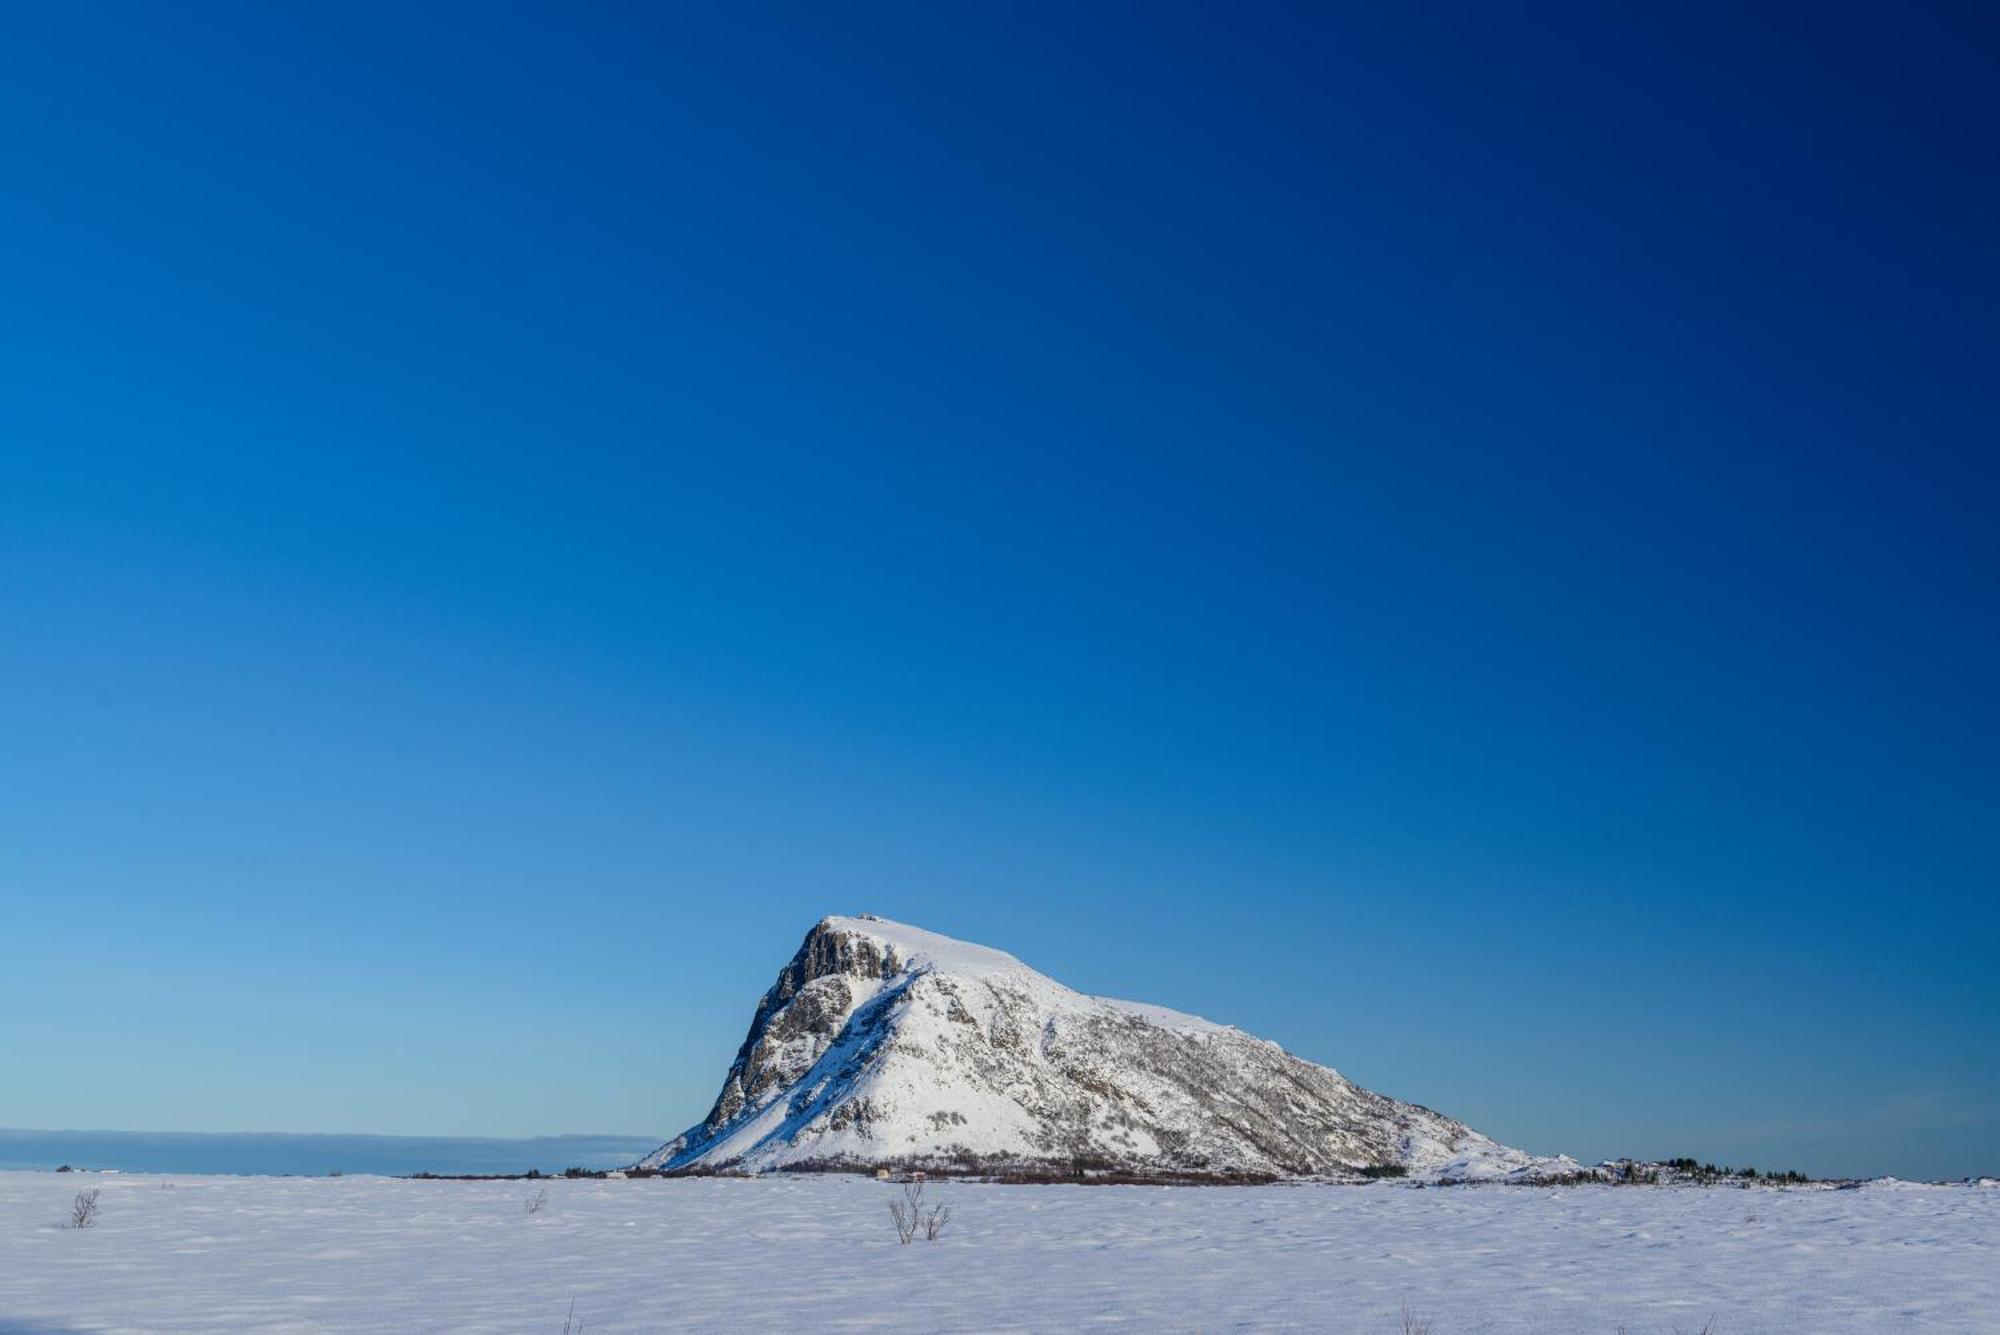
1462, 541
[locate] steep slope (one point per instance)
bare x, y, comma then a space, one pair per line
882, 1043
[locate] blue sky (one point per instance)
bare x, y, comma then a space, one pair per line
1457, 541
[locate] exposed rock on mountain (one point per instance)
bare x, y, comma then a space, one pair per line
886, 1044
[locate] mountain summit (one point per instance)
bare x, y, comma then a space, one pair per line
882, 1043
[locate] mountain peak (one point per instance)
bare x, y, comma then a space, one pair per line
909, 948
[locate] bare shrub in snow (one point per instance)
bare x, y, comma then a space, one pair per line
534, 1203
571, 1326
1414, 1324
83, 1210
912, 1216
903, 1213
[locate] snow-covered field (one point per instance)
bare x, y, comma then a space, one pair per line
796, 1253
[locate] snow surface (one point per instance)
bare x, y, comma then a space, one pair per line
207, 1254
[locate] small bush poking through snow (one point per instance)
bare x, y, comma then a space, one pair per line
1414, 1324
83, 1210
534, 1203
912, 1216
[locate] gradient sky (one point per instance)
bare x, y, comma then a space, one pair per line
1459, 540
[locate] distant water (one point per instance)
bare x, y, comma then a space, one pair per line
279, 1153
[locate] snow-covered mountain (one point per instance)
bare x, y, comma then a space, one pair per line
882, 1043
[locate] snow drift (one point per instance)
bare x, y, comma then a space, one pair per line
886, 1044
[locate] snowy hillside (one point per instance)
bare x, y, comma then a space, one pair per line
882, 1043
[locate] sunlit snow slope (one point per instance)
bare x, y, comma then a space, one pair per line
882, 1043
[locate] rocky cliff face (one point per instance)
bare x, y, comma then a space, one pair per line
881, 1043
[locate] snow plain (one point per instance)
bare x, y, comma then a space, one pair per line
211, 1254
